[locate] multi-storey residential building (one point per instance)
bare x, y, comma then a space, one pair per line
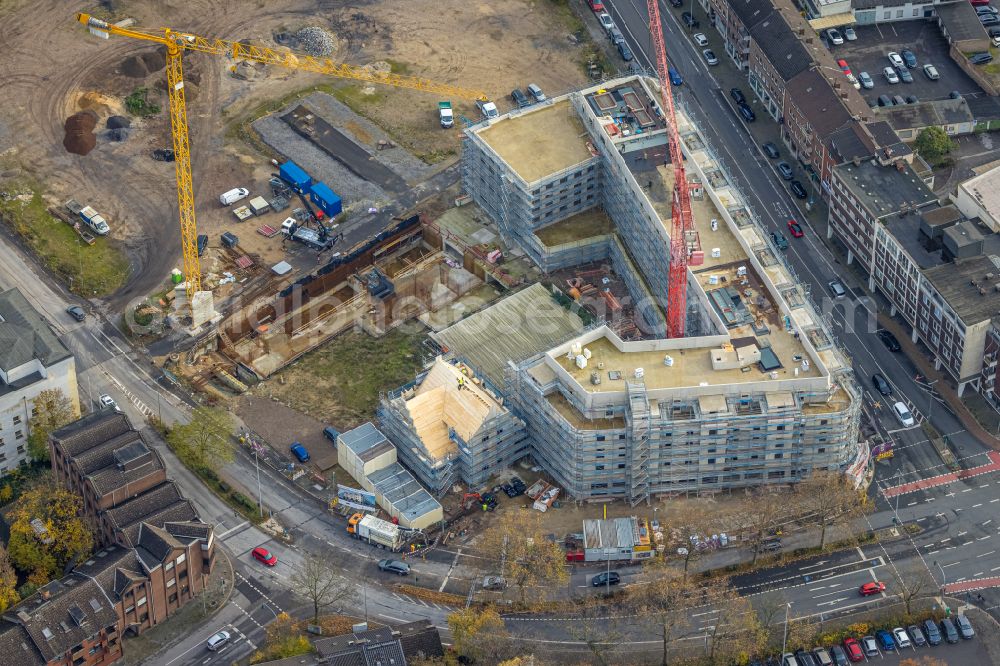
32, 360
757, 394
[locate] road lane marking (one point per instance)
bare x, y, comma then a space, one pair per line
976, 506
986, 555
951, 565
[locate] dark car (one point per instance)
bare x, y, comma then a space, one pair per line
916, 635
839, 656
804, 658
689, 20
912, 99
798, 190
779, 240
675, 78
885, 640
76, 312
331, 434
747, 113
624, 51
884, 100
202, 244
676, 3
954, 94
904, 75
881, 385
988, 20
982, 58
949, 631
606, 578
785, 170
770, 545
771, 150
737, 95
889, 340
519, 98
932, 632
964, 626
909, 58
299, 452
394, 566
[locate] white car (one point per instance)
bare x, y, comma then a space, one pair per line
903, 415
606, 22
895, 59
890, 75
834, 36
710, 57
217, 640
700, 39
107, 401
902, 639
931, 72
849, 34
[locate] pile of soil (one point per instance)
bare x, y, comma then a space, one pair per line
118, 122
143, 64
80, 138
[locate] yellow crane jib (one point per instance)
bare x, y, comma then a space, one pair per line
177, 42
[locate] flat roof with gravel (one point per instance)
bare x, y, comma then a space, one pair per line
539, 142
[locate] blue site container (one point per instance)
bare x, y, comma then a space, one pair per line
294, 175
326, 199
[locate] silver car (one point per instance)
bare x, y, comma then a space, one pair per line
931, 72
866, 80
710, 57
890, 75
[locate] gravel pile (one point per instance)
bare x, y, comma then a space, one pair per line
80, 138
316, 41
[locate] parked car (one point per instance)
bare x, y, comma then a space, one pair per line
901, 638
981, 58
903, 415
494, 583
888, 339
964, 626
519, 98
107, 401
202, 243
596, 5
689, 20
779, 240
785, 170
798, 190
989, 19
986, 9
905, 76
837, 289
890, 75
912, 99
932, 632
616, 36
536, 92
850, 35
710, 57
737, 95
885, 100
870, 646
838, 653
949, 631
746, 112
834, 36
916, 635
394, 566
606, 21
954, 94
700, 39
624, 51
895, 60
264, 556
795, 229
909, 58
844, 67
771, 150
804, 658
881, 385
898, 100
869, 589
866, 80
676, 3
606, 578
885, 640
216, 641
770, 544
76, 312
853, 649
299, 452
930, 71
822, 656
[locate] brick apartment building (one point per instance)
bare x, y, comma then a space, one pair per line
155, 554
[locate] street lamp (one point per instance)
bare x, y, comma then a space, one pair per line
784, 638
944, 579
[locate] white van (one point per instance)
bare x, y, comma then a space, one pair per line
903, 415
233, 195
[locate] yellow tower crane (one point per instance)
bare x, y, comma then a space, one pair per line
178, 42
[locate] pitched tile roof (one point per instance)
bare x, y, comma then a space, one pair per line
135, 509
91, 430
785, 53
156, 541
179, 511
16, 646
24, 335
822, 107
189, 529
385, 645
420, 639
751, 12
114, 568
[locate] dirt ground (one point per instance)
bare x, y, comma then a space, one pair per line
482, 46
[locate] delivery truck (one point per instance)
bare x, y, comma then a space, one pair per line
376, 531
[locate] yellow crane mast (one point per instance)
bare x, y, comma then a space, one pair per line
178, 42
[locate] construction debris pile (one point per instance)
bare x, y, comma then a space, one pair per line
316, 41
80, 138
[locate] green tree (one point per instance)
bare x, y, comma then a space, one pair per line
52, 410
933, 144
283, 640
204, 441
8, 582
58, 537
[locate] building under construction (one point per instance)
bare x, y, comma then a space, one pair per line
756, 394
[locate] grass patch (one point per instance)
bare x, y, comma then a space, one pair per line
353, 95
340, 382
567, 17
398, 67
138, 105
89, 270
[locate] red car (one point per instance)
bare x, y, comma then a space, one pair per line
853, 650
262, 554
979, 3
869, 589
794, 229
596, 5
843, 66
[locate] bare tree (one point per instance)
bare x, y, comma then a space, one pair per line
762, 514
771, 616
911, 583
688, 528
320, 583
736, 630
829, 498
518, 549
480, 636
601, 635
665, 599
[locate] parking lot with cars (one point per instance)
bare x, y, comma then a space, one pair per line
869, 54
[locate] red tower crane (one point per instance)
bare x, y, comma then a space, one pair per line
680, 222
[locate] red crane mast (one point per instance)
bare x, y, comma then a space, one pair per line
680, 221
